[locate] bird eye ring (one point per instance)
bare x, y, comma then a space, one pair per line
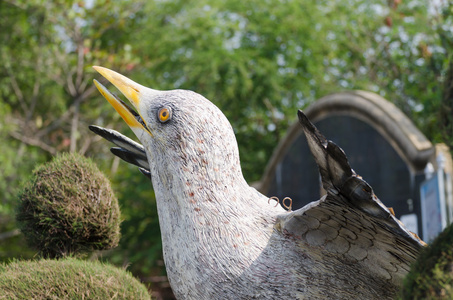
164, 115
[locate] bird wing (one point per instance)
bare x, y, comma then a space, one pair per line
128, 150
350, 222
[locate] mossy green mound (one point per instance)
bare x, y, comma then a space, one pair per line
431, 276
67, 278
68, 207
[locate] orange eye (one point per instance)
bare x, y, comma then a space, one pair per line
164, 114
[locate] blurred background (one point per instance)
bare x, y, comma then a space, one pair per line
258, 60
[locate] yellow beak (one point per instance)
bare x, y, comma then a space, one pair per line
131, 90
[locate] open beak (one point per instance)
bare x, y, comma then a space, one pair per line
131, 90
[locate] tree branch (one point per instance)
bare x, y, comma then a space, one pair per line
36, 86
80, 63
9, 234
33, 142
86, 144
16, 88
74, 128
64, 117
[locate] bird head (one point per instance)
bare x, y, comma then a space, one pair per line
181, 130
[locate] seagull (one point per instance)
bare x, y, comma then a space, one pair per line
222, 239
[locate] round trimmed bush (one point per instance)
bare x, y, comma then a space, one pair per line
67, 278
431, 276
68, 208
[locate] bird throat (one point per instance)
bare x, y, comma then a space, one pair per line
203, 210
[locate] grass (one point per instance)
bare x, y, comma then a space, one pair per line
67, 278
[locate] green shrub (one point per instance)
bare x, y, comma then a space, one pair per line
67, 278
68, 207
431, 276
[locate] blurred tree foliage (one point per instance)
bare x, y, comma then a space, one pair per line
47, 49
258, 60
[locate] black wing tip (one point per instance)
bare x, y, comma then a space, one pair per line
332, 161
117, 151
136, 157
339, 156
101, 131
130, 157
303, 120
125, 155
145, 172
96, 129
310, 128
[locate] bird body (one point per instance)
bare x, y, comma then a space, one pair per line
222, 239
